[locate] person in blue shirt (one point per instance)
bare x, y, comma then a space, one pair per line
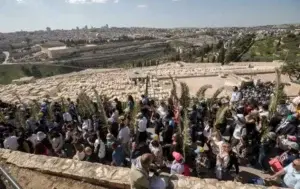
291, 174
118, 156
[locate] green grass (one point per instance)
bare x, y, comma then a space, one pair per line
11, 72
270, 49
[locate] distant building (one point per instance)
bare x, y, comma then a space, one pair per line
63, 50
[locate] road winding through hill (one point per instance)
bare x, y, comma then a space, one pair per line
6, 56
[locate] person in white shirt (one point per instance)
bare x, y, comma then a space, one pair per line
99, 148
11, 142
235, 96
223, 160
67, 117
124, 134
87, 124
156, 150
141, 128
80, 154
239, 130
114, 117
162, 110
57, 143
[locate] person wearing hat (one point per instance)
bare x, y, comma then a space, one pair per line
177, 166
201, 160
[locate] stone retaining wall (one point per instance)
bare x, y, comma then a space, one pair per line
103, 175
216, 73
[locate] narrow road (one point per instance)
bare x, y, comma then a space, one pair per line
6, 56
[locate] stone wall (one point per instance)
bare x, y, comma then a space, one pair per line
103, 175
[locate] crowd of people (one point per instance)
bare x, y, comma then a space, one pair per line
248, 134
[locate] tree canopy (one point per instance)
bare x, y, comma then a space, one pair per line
292, 69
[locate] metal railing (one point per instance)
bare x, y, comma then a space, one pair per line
7, 178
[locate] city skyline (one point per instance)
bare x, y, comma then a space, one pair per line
29, 15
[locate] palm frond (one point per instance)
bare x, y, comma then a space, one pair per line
102, 113
278, 93
215, 96
201, 92
51, 110
173, 91
186, 134
35, 109
133, 114
185, 96
147, 86
220, 116
2, 117
20, 119
85, 104
264, 129
63, 104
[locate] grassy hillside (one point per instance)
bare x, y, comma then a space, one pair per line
275, 48
11, 72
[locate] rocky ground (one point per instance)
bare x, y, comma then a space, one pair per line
29, 179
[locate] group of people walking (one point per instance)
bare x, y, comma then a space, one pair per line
149, 135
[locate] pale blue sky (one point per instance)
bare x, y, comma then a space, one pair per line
66, 14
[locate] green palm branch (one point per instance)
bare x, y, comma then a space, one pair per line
215, 96
185, 96
173, 91
102, 114
278, 93
220, 116
186, 134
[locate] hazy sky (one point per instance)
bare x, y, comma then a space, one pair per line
66, 14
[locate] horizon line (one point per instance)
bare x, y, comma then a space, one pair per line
183, 27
